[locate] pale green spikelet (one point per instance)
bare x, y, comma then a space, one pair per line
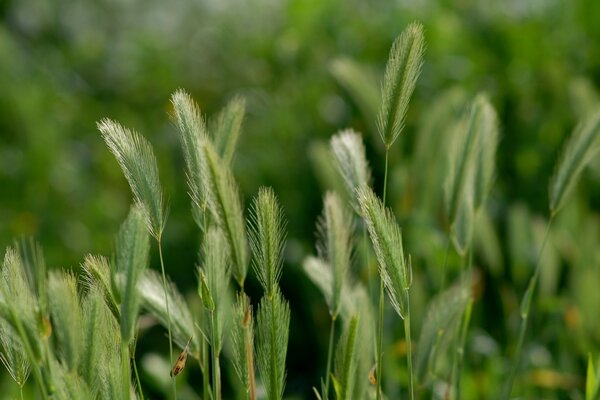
13, 355
441, 322
362, 85
272, 330
225, 205
581, 147
334, 245
192, 130
486, 156
267, 238
32, 255
243, 344
136, 158
227, 127
401, 74
133, 247
96, 275
386, 237
66, 317
351, 161
216, 270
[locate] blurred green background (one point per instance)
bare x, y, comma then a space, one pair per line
66, 64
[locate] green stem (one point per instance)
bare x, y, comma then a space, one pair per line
250, 360
381, 298
525, 306
460, 351
137, 376
329, 356
164, 281
204, 368
444, 266
216, 370
369, 278
411, 389
125, 370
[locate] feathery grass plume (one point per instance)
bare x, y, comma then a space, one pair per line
96, 275
431, 143
461, 230
99, 331
347, 362
581, 147
13, 355
66, 317
401, 73
69, 384
225, 205
486, 156
267, 238
136, 158
32, 255
153, 300
351, 161
227, 127
441, 322
192, 130
216, 269
133, 248
362, 85
334, 244
243, 339
272, 329
386, 237
462, 153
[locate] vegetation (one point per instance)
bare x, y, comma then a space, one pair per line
486, 296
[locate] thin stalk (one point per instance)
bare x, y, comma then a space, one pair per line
460, 351
204, 368
137, 376
525, 306
125, 371
216, 370
250, 361
411, 390
21, 391
164, 280
329, 356
381, 297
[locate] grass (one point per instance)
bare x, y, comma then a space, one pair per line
76, 334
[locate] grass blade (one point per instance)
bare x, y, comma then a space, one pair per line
486, 156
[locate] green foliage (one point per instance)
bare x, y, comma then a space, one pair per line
242, 338
227, 127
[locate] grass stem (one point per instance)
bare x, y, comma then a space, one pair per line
125, 371
135, 370
216, 370
329, 357
164, 280
381, 298
525, 307
409, 365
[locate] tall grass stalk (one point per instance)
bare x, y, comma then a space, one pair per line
136, 158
